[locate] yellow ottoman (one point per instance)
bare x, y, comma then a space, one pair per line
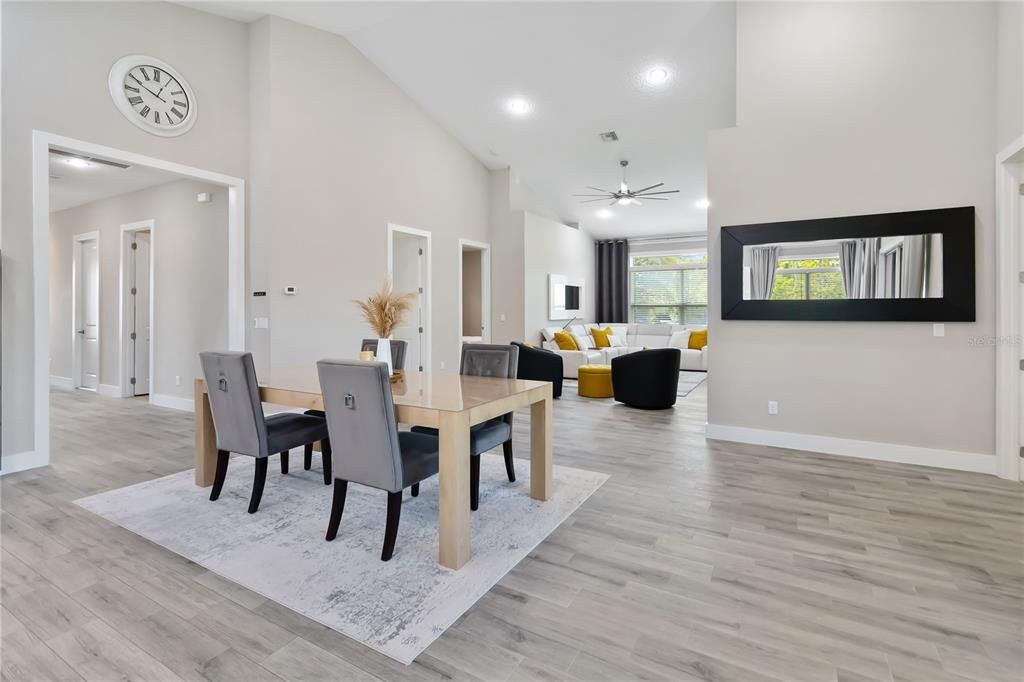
595, 381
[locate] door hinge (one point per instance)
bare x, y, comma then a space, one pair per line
132, 381
421, 252
421, 368
132, 336
421, 290
134, 291
134, 246
421, 330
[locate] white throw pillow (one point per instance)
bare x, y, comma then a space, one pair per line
615, 341
549, 333
679, 340
583, 341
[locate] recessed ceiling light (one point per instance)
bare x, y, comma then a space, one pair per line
518, 106
703, 204
604, 214
78, 163
659, 75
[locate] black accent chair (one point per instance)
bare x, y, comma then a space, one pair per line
372, 451
540, 364
647, 379
486, 360
243, 428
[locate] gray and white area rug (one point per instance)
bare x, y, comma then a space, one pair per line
397, 607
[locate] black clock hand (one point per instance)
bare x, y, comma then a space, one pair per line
141, 85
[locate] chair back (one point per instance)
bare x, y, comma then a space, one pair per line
490, 360
398, 347
361, 422
235, 402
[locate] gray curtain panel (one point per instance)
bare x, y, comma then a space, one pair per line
612, 280
912, 276
763, 260
848, 268
869, 253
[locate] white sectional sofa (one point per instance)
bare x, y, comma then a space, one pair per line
634, 337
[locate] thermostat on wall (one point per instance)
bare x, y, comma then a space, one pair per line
289, 291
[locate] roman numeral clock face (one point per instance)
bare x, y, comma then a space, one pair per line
152, 95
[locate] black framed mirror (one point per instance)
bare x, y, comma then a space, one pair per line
915, 266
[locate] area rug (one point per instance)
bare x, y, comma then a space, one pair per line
398, 607
688, 380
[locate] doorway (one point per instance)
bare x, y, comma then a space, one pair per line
137, 308
409, 269
85, 371
474, 291
1010, 312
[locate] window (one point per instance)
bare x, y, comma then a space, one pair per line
807, 279
669, 288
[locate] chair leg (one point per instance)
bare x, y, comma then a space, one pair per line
257, 484
327, 458
222, 470
391, 531
337, 507
415, 490
510, 466
474, 482
284, 462
307, 461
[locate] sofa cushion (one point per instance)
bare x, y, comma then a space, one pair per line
583, 341
679, 339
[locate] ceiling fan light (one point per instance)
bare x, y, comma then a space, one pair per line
622, 201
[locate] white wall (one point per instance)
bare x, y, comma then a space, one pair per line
190, 280
1010, 73
335, 165
551, 247
847, 109
507, 261
79, 42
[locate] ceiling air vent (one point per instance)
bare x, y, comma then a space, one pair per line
91, 159
610, 136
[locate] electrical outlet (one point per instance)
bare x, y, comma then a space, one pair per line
938, 329
773, 407
502, 317
442, 364
177, 380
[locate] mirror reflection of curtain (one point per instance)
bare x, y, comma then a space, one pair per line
868, 252
763, 260
848, 268
913, 272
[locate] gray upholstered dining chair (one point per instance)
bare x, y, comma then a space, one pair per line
486, 360
370, 449
242, 427
398, 348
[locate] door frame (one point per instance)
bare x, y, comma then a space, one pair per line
394, 228
42, 141
485, 287
76, 265
1009, 265
124, 348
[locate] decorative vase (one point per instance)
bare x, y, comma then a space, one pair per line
384, 354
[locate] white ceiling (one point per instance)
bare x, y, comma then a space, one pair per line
581, 66
71, 186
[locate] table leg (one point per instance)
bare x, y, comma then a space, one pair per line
453, 482
206, 437
540, 448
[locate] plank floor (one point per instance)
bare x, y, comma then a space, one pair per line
697, 560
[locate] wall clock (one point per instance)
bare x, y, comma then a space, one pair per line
152, 95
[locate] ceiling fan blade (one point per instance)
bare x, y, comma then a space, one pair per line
607, 194
667, 191
645, 198
614, 201
590, 201
598, 189
647, 188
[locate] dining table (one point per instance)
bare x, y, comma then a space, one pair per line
451, 403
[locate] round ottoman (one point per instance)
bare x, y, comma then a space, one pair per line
595, 381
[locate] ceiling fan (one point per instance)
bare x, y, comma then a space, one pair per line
625, 195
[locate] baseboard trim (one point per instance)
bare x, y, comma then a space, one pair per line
863, 449
22, 461
171, 401
60, 382
109, 390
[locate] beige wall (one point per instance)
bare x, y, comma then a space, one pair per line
471, 292
847, 109
507, 261
79, 42
551, 247
334, 170
190, 279
1010, 73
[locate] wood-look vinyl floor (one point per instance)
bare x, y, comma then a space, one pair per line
697, 560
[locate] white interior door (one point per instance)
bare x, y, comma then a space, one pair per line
87, 335
409, 274
139, 311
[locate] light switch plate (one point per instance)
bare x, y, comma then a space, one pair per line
261, 323
938, 329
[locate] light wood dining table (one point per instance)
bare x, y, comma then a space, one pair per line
450, 403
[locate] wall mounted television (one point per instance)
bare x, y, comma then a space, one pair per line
915, 266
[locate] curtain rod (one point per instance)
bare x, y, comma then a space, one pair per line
670, 238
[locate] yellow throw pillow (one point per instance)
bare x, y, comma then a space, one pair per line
698, 339
527, 344
601, 337
565, 341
